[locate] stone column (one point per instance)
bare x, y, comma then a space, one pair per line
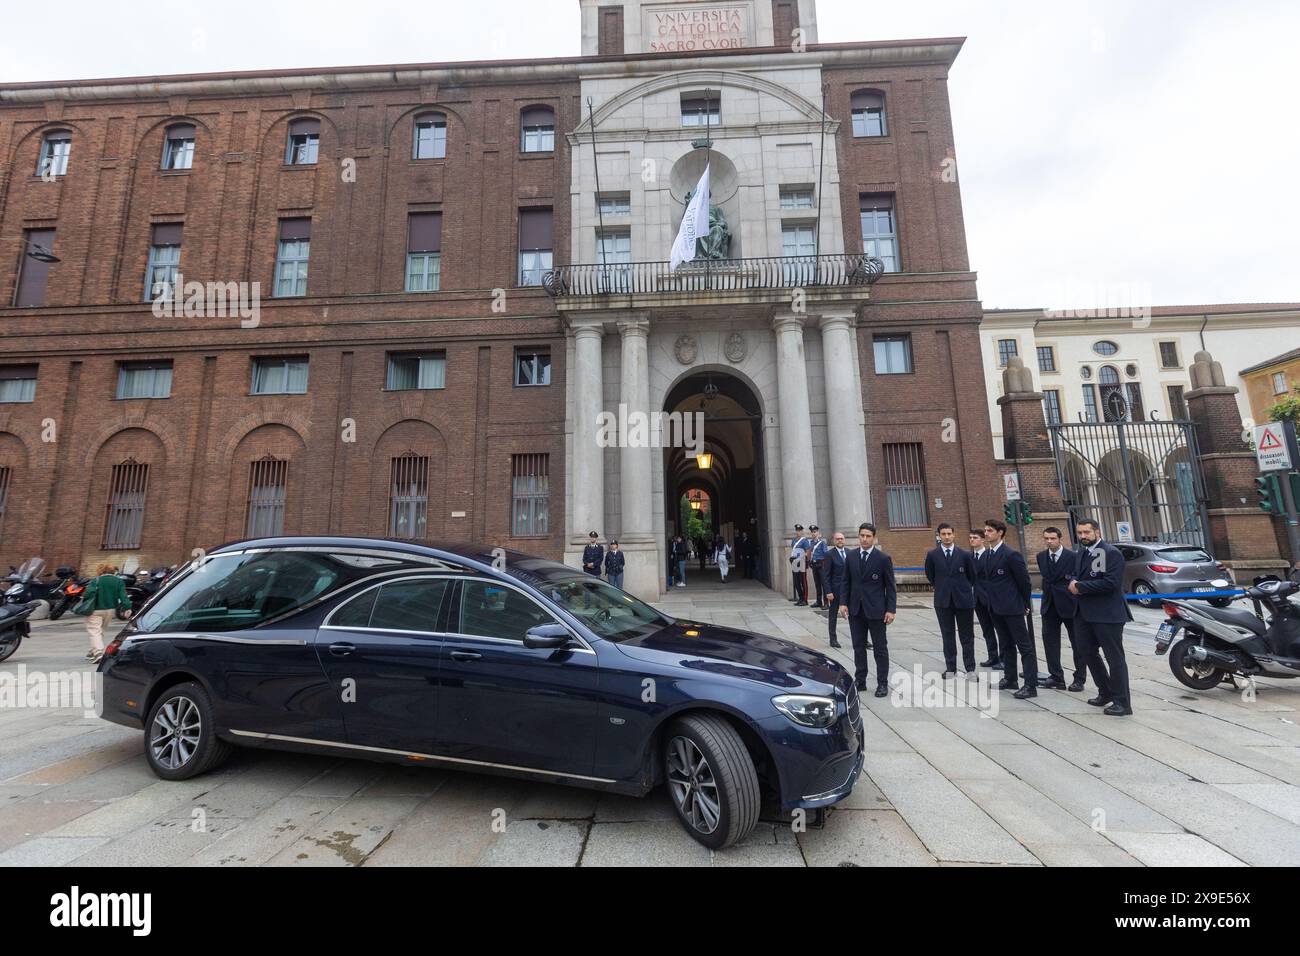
799, 493
587, 481
636, 539
844, 426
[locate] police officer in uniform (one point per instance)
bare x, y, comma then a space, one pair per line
593, 555
836, 556
818, 558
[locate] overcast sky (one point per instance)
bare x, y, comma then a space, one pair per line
1127, 151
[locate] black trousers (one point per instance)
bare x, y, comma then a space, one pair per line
989, 629
863, 629
818, 583
800, 585
833, 617
1095, 640
1052, 647
954, 621
1013, 634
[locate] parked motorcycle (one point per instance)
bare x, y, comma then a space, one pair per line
13, 627
67, 596
147, 586
1209, 645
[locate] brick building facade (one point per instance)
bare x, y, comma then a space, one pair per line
429, 412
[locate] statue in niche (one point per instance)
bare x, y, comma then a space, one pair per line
717, 244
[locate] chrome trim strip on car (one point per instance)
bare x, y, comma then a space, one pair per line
419, 756
222, 638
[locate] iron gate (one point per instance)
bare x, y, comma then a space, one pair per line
1147, 473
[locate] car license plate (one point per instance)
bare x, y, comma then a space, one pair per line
1200, 590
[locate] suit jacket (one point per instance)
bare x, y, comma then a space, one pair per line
981, 585
953, 578
594, 555
614, 562
869, 589
1057, 598
1100, 578
834, 571
1006, 577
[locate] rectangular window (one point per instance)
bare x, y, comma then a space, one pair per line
268, 478
1052, 406
868, 114
529, 495
408, 496
797, 242
423, 252
124, 522
701, 111
879, 232
614, 248
532, 367
164, 262
178, 148
1135, 410
304, 141
33, 272
280, 376
291, 258
796, 197
537, 130
1090, 403
1177, 404
905, 486
1046, 358
893, 354
1169, 355
55, 150
615, 204
417, 371
430, 138
534, 245
17, 383
1006, 349
144, 380
1280, 386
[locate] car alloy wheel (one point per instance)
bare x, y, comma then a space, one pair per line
1141, 588
176, 731
694, 789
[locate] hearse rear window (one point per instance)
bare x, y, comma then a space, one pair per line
229, 592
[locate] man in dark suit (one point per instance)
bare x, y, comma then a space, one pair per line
1100, 618
952, 572
869, 601
1057, 564
982, 612
799, 550
836, 557
1010, 592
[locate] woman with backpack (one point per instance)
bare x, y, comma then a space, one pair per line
105, 596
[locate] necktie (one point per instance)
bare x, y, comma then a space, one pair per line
947, 553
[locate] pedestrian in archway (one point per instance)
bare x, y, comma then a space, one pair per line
723, 557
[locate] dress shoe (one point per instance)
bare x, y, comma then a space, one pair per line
949, 675
800, 603
1026, 692
1076, 687
1005, 684
836, 644
1051, 682
867, 645
1115, 710
1099, 701
998, 666
861, 685
990, 663
882, 690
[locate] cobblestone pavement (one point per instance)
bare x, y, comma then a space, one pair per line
1191, 778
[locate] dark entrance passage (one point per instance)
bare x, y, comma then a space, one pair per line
725, 483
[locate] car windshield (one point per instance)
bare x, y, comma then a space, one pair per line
613, 614
1184, 555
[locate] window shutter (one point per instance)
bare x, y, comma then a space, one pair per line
866, 100
424, 232
291, 229
538, 116
167, 233
534, 229
34, 274
304, 126
181, 131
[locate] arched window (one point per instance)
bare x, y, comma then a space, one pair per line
430, 137
56, 148
1114, 405
537, 130
178, 147
268, 480
869, 114
304, 142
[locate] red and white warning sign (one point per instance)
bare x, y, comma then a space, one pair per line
1271, 448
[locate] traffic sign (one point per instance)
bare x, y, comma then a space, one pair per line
1124, 531
1011, 485
1271, 447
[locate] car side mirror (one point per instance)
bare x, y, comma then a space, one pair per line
547, 636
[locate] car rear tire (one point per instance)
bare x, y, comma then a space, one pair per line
180, 740
1142, 587
711, 780
1197, 675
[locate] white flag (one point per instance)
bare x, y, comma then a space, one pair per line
694, 224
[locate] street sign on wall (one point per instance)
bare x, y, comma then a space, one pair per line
1271, 449
1011, 485
1124, 531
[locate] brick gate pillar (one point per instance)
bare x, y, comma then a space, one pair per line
1239, 531
1027, 447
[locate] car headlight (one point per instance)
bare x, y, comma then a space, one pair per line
806, 709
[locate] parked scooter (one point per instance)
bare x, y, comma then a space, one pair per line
13, 627
147, 586
1209, 645
28, 584
67, 596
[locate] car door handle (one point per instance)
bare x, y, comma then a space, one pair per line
342, 649
465, 655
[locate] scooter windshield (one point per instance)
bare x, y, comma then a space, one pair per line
31, 569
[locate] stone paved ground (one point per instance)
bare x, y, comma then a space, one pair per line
1191, 778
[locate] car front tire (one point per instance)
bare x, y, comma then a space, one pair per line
180, 738
711, 780
1142, 587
